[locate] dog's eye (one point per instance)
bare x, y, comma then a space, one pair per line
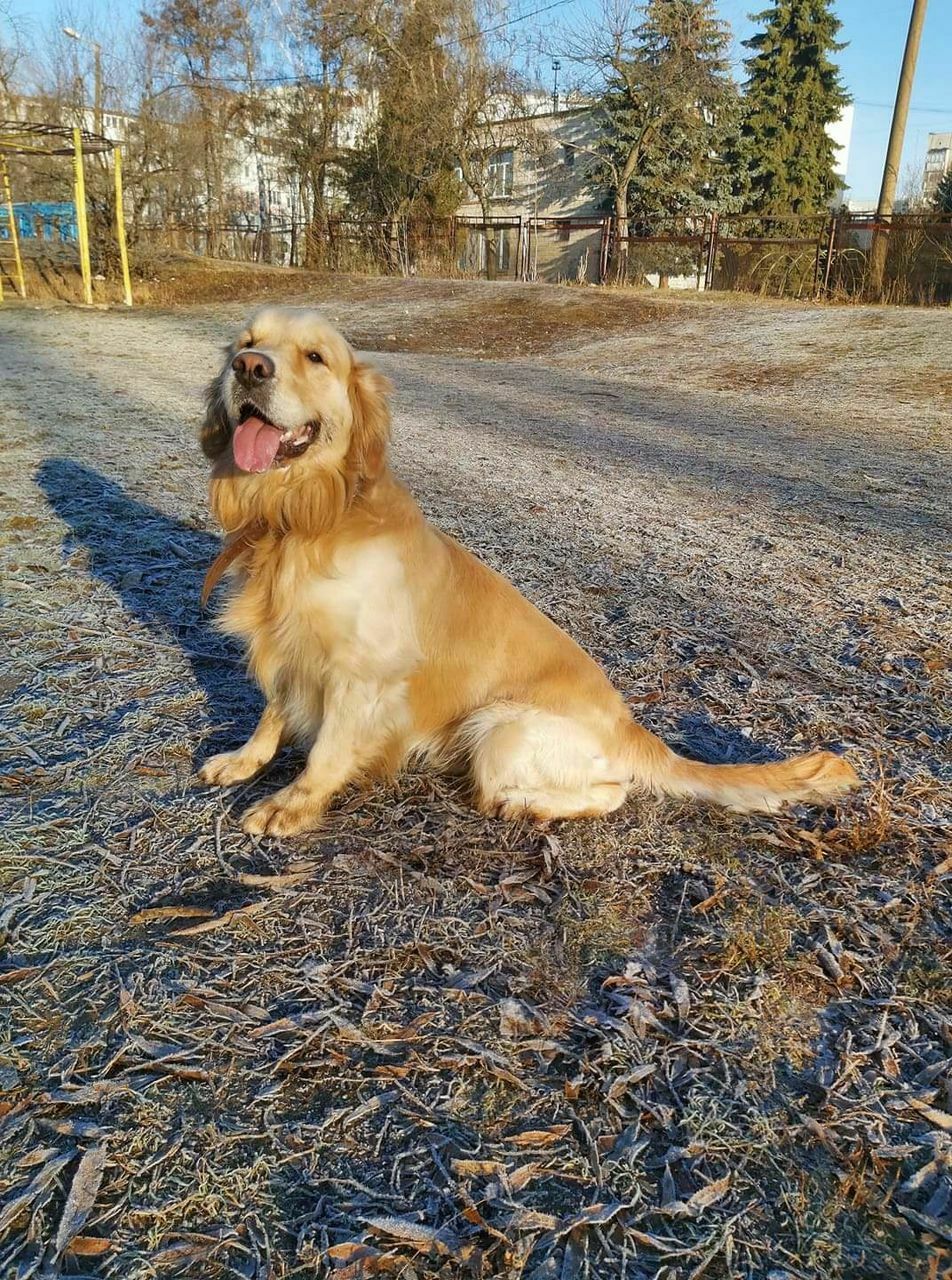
315, 357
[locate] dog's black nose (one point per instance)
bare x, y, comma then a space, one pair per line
252, 368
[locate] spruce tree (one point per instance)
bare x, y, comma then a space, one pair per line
943, 194
669, 111
793, 92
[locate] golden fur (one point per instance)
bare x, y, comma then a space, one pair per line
376, 638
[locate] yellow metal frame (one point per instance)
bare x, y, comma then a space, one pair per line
121, 229
7, 196
82, 226
16, 143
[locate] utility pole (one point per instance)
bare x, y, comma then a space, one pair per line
97, 74
556, 68
897, 135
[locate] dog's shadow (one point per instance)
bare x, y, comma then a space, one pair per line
156, 565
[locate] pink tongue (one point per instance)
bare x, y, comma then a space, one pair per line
255, 444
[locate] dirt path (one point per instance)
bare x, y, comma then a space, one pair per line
744, 513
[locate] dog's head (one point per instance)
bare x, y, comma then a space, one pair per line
293, 398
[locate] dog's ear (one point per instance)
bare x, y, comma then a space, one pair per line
216, 428
370, 405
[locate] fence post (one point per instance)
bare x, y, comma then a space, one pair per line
603, 250
712, 252
830, 250
816, 265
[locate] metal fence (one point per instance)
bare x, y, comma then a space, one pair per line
794, 256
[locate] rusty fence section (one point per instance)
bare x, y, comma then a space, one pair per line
791, 256
918, 266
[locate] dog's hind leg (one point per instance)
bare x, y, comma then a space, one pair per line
232, 767
528, 762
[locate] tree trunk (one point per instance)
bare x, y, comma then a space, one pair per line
619, 265
490, 236
211, 239
317, 254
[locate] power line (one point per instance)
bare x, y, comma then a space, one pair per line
305, 79
888, 106
519, 17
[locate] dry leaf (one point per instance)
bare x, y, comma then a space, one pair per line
925, 1223
15, 1206
415, 1233
592, 1215
220, 922
89, 1246
532, 1220
9, 976
941, 1119
173, 913
710, 1194
280, 881
82, 1196
621, 1084
352, 1251
539, 1137
477, 1168
516, 1018
682, 997
940, 869
522, 1176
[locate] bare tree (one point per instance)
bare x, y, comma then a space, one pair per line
321, 111
201, 39
11, 52
403, 165
492, 115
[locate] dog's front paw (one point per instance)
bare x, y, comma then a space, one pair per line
287, 813
228, 769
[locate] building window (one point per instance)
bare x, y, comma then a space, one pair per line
500, 174
568, 155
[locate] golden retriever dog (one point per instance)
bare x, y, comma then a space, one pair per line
377, 640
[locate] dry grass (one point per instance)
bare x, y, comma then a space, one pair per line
671, 1044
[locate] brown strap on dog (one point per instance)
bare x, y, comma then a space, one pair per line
232, 549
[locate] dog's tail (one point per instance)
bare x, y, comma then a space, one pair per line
746, 788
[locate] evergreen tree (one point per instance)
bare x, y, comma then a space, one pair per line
793, 92
943, 194
670, 110
676, 100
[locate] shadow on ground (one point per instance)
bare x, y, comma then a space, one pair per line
155, 565
745, 453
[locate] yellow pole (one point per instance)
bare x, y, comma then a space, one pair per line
81, 225
14, 234
121, 230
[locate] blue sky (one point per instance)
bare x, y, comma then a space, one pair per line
875, 31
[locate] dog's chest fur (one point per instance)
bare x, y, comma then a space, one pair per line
313, 613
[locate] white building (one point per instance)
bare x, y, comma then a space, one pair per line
841, 133
543, 176
938, 162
